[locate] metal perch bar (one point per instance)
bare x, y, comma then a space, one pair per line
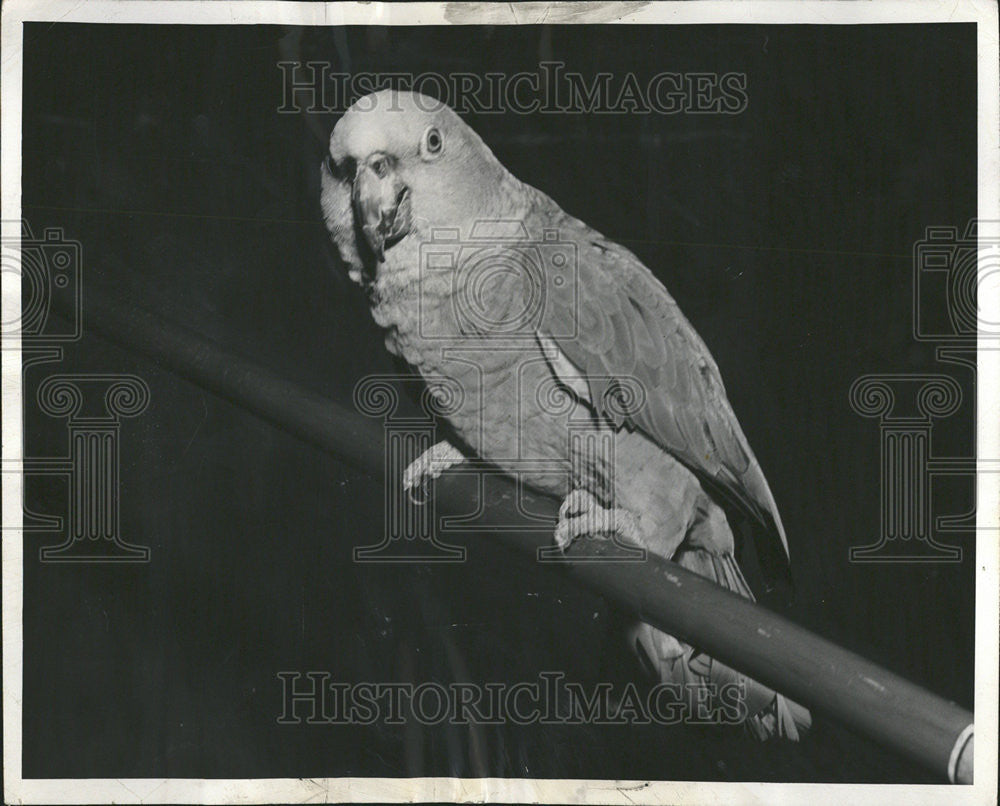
821, 675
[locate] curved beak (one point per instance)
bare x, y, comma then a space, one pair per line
381, 204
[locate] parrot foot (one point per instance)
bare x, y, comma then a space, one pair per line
428, 466
582, 514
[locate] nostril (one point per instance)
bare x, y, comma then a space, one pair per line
403, 193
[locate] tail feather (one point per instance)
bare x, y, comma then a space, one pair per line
701, 679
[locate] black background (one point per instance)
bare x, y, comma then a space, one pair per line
785, 233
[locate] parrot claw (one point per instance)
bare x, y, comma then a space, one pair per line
428, 466
582, 514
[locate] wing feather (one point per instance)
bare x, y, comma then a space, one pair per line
630, 327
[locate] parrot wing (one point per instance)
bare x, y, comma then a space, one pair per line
629, 329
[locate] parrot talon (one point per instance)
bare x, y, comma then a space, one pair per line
582, 514
427, 467
419, 494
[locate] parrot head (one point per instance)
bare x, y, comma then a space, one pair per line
410, 165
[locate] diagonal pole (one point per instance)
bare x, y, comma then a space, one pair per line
770, 648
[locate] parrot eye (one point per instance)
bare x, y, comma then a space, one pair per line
433, 142
380, 165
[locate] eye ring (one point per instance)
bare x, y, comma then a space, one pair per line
433, 143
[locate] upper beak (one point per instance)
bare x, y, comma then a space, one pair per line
381, 204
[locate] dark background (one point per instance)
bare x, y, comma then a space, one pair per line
785, 233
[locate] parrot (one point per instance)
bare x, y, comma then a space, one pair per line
550, 329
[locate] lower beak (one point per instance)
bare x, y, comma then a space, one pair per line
381, 209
